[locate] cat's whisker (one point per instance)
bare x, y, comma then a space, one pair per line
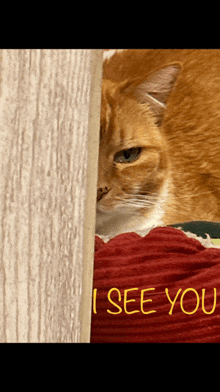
134, 205
139, 201
134, 202
152, 196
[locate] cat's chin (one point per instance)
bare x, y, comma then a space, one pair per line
120, 220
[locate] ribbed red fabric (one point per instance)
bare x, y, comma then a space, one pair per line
164, 259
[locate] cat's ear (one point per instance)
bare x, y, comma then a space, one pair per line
155, 90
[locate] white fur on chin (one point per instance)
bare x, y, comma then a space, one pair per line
118, 222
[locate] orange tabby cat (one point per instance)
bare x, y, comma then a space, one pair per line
159, 160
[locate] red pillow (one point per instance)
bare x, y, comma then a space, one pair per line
163, 287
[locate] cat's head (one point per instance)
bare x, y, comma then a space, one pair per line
133, 156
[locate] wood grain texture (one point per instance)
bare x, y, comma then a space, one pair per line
44, 116
91, 192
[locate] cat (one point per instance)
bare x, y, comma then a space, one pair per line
159, 153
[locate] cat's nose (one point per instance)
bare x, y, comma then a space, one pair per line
101, 192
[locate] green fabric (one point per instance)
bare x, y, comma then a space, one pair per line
201, 228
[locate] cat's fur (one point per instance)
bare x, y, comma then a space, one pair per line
166, 102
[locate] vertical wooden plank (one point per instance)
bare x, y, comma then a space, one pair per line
91, 191
44, 116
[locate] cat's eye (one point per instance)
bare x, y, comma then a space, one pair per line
127, 156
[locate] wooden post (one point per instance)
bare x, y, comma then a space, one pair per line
46, 258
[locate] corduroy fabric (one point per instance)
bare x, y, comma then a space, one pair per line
164, 259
